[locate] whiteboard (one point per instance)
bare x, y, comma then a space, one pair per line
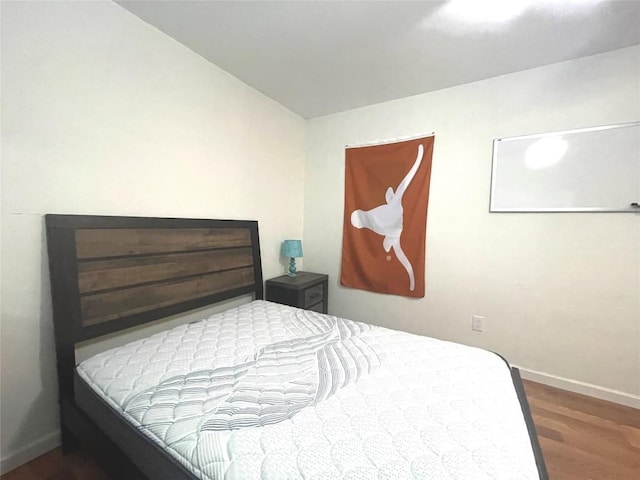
585, 170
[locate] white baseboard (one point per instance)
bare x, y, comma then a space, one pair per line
29, 452
615, 396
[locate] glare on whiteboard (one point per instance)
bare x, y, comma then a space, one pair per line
488, 11
545, 153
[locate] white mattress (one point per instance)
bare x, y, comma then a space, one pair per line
266, 391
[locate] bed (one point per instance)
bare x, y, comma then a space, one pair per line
260, 390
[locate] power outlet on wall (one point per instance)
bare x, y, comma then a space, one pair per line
477, 323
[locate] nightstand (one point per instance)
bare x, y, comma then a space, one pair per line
306, 290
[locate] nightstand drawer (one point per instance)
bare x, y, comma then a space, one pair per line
318, 307
313, 295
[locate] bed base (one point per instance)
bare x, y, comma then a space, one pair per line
528, 418
99, 262
79, 432
144, 459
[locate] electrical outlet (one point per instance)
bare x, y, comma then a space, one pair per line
477, 323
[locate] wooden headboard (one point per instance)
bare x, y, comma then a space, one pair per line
110, 273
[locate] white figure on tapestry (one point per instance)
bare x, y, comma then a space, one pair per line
386, 219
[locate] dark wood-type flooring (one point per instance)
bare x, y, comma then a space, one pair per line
582, 438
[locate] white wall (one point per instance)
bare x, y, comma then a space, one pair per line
560, 292
103, 114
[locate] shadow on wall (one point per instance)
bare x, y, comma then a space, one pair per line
34, 431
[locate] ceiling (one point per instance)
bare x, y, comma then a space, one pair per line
321, 57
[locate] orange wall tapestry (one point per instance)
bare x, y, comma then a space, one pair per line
385, 216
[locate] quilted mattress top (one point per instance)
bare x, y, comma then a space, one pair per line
266, 391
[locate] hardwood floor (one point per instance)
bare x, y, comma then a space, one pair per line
582, 438
55, 466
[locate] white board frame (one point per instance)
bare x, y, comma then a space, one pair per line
496, 162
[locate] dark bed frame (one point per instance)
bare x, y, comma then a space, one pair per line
111, 273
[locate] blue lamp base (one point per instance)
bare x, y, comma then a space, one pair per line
292, 267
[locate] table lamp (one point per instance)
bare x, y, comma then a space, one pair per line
292, 249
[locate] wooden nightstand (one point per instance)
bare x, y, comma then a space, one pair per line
306, 290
